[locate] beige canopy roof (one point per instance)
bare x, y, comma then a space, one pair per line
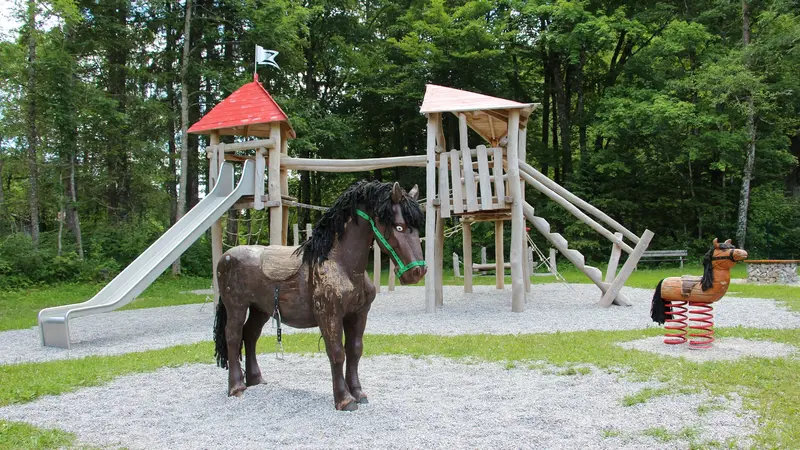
487, 115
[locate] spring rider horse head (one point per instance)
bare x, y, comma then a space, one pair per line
320, 284
672, 295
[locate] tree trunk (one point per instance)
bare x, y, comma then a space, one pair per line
73, 219
554, 132
546, 117
794, 176
182, 197
2, 192
563, 105
747, 175
579, 113
33, 191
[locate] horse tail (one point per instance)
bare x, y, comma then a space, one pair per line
220, 343
659, 312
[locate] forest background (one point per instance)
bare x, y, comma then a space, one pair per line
677, 116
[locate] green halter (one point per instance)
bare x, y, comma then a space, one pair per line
403, 267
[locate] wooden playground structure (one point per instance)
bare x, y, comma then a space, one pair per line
474, 184
482, 183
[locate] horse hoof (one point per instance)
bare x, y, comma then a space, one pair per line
363, 400
236, 391
252, 381
352, 406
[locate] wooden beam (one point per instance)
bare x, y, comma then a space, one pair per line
439, 261
626, 270
499, 255
434, 123
274, 187
216, 227
467, 241
444, 185
285, 191
613, 261
483, 175
352, 165
517, 220
250, 145
458, 182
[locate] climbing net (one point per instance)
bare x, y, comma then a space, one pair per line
245, 227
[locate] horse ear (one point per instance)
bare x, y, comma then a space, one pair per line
397, 193
716, 244
414, 193
728, 242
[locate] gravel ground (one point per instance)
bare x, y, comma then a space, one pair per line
414, 403
551, 308
724, 349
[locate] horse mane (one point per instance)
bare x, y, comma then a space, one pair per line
708, 270
376, 197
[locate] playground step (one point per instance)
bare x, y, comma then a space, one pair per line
572, 255
575, 257
541, 224
559, 241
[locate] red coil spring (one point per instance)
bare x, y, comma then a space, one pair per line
704, 323
676, 324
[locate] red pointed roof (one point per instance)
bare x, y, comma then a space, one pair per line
246, 112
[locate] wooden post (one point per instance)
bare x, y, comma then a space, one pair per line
309, 231
456, 271
439, 262
285, 190
261, 167
517, 220
434, 122
296, 233
613, 261
391, 275
499, 259
216, 227
274, 188
376, 266
627, 269
467, 239
522, 152
553, 263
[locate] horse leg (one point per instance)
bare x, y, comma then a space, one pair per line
331, 329
251, 333
354, 331
233, 333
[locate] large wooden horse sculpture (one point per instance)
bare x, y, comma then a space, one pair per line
319, 284
672, 295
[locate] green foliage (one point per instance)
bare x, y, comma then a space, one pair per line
18, 435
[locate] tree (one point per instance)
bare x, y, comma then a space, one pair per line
33, 137
747, 175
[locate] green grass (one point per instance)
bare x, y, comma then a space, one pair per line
18, 309
23, 436
769, 386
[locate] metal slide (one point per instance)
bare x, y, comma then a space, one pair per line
54, 322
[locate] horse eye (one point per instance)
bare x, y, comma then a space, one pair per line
399, 228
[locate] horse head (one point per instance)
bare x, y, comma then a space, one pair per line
402, 241
726, 255
721, 256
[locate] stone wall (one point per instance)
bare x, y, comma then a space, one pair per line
783, 273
